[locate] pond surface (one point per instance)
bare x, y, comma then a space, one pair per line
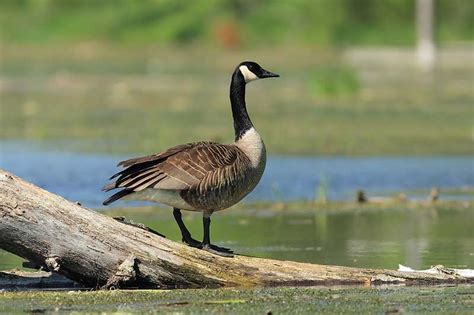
378, 238
80, 176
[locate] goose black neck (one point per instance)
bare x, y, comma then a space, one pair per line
242, 121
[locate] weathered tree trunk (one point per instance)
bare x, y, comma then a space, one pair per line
96, 250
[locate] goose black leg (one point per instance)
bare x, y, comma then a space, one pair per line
184, 231
206, 243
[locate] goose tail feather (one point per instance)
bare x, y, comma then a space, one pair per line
117, 196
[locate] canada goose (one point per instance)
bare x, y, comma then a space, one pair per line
201, 176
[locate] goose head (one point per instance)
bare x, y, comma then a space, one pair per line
252, 71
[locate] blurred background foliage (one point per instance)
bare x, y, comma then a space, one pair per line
349, 71
232, 23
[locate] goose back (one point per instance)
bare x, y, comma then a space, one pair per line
194, 176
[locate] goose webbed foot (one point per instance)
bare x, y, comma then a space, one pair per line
216, 250
221, 249
192, 242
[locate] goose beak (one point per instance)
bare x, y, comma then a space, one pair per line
268, 74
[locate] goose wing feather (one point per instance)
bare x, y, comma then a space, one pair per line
201, 165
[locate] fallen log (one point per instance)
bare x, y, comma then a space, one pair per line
98, 251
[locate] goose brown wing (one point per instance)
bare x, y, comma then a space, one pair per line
179, 168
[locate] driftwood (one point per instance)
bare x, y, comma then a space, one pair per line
97, 251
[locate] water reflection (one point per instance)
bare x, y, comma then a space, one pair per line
382, 239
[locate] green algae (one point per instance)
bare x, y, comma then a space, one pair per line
447, 299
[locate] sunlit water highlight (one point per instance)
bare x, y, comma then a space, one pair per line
80, 176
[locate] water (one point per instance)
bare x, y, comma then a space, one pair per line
378, 238
80, 176
368, 239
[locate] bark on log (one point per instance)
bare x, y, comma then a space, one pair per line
96, 250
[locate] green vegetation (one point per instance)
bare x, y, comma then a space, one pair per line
86, 74
333, 81
319, 300
109, 98
231, 23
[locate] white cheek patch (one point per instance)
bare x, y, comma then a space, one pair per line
248, 75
